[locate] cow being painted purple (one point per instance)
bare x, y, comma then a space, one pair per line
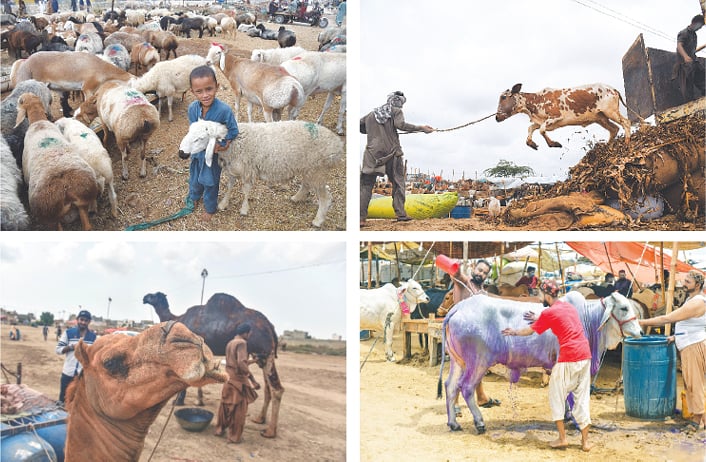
473, 339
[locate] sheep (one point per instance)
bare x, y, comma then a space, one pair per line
228, 26
274, 153
135, 17
166, 41
267, 34
165, 21
250, 31
57, 178
90, 43
86, 143
263, 84
169, 78
494, 208
275, 56
125, 112
185, 25
117, 55
126, 39
210, 24
13, 216
246, 18
68, 71
15, 136
321, 73
329, 34
144, 55
54, 42
286, 38
18, 40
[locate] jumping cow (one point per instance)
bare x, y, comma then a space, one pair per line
472, 336
553, 108
381, 309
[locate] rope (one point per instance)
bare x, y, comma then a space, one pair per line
455, 128
188, 208
43, 443
423, 260
171, 411
366, 356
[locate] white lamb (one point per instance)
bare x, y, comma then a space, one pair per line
13, 216
275, 56
90, 43
169, 78
57, 177
86, 143
320, 73
275, 153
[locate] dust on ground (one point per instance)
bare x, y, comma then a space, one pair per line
312, 418
401, 419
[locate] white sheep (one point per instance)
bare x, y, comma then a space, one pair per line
15, 135
228, 26
321, 73
329, 34
275, 56
90, 42
118, 55
169, 78
57, 178
13, 216
127, 113
270, 87
275, 153
86, 143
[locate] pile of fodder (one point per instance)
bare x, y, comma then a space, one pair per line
666, 159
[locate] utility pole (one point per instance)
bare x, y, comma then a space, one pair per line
107, 316
204, 274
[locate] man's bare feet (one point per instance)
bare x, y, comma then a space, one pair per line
558, 444
586, 446
205, 216
230, 441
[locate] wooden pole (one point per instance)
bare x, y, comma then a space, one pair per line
670, 292
661, 276
610, 262
539, 261
397, 259
561, 270
370, 265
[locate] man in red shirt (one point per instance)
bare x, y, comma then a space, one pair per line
572, 371
530, 280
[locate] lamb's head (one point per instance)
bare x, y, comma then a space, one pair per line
29, 106
87, 111
202, 135
216, 55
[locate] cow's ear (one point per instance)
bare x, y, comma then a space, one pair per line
516, 88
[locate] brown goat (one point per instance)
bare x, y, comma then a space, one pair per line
144, 55
18, 40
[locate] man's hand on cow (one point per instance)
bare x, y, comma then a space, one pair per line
508, 331
529, 316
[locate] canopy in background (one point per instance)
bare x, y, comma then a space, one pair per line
614, 256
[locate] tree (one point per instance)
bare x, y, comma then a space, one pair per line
506, 168
46, 318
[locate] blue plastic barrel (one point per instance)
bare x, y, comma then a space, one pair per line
461, 211
26, 447
649, 377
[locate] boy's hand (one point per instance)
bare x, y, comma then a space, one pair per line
220, 148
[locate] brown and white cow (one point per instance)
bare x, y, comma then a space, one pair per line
552, 108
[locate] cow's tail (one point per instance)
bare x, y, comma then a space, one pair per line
642, 121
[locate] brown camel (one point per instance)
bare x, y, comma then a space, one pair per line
124, 385
216, 322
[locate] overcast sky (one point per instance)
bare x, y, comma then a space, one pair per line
453, 59
296, 285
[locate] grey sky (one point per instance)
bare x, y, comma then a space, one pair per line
452, 59
298, 285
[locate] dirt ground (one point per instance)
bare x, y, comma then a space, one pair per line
312, 419
401, 419
161, 193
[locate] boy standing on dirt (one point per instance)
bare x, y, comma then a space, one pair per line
204, 180
67, 345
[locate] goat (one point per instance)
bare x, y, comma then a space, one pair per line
125, 112
164, 41
144, 55
321, 73
268, 86
275, 153
57, 177
18, 40
169, 78
286, 38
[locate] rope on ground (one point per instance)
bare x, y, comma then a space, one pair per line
456, 128
366, 356
171, 411
188, 208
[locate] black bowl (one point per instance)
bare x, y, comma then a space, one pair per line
193, 419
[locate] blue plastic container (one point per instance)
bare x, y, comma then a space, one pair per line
649, 377
26, 447
461, 211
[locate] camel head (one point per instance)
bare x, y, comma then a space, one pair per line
159, 301
124, 376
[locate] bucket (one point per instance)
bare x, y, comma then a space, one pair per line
650, 377
461, 211
685, 412
447, 265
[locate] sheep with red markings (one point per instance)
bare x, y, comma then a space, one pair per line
274, 153
57, 177
127, 113
117, 55
86, 143
270, 87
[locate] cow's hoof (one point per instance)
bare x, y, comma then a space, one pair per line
454, 427
554, 144
480, 429
532, 145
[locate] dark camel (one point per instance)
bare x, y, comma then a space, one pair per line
216, 322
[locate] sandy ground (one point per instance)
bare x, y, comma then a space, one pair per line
401, 419
312, 420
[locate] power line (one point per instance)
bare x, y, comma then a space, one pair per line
283, 270
623, 18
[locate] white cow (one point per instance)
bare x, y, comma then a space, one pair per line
381, 309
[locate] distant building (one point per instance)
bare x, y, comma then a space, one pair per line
296, 335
